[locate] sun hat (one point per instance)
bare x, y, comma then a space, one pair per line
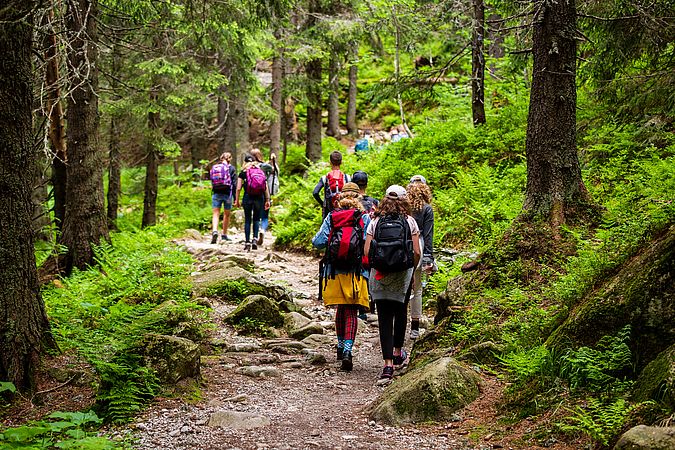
360, 178
351, 187
418, 179
395, 192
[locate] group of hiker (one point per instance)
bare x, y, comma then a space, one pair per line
259, 181
376, 251
375, 254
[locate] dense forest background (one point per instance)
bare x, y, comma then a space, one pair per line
545, 130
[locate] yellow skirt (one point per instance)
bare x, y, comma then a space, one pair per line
345, 289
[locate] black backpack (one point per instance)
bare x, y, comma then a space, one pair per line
391, 249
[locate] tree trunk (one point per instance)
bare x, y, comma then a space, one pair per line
478, 64
242, 125
151, 174
313, 146
197, 146
554, 184
496, 39
24, 329
222, 125
333, 125
84, 224
352, 126
57, 131
277, 88
115, 155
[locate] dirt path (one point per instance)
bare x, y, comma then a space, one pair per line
293, 403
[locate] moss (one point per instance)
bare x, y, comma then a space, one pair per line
657, 380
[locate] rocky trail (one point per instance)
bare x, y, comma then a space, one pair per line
283, 393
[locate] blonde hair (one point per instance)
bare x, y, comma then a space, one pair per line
257, 154
350, 200
419, 195
227, 157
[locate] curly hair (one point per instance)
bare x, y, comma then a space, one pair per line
350, 200
419, 195
400, 206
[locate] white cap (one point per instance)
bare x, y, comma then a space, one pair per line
418, 179
395, 192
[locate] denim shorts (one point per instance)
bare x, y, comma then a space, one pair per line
224, 200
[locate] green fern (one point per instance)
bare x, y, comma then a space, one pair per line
601, 420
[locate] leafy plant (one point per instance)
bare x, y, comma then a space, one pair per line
599, 419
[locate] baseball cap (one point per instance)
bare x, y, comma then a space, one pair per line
418, 179
351, 187
395, 192
249, 158
360, 178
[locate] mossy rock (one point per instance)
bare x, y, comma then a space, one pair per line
425, 394
184, 321
640, 294
257, 308
486, 353
233, 284
647, 438
173, 358
657, 380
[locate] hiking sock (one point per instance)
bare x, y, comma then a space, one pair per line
348, 344
341, 343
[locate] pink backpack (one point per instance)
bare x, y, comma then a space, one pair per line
256, 181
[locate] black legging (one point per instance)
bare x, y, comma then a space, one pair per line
392, 318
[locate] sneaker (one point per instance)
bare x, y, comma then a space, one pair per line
339, 353
400, 359
386, 376
414, 334
247, 247
225, 238
261, 237
346, 362
214, 237
254, 246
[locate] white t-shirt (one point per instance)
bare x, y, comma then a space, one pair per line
412, 223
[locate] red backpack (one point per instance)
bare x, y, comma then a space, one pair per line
335, 180
344, 251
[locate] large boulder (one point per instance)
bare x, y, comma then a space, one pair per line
173, 358
257, 308
429, 393
308, 330
657, 380
647, 438
232, 284
640, 294
178, 320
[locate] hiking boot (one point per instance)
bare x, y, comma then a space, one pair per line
400, 359
225, 238
214, 237
247, 247
261, 237
386, 376
254, 246
346, 362
339, 353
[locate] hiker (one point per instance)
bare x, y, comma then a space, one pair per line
331, 184
419, 195
222, 175
342, 282
369, 203
271, 170
256, 197
392, 246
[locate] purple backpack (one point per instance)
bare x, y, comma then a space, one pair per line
256, 181
220, 175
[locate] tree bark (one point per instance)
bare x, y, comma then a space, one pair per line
277, 92
24, 329
115, 155
478, 63
554, 183
84, 224
313, 146
333, 125
352, 126
222, 125
57, 130
151, 174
